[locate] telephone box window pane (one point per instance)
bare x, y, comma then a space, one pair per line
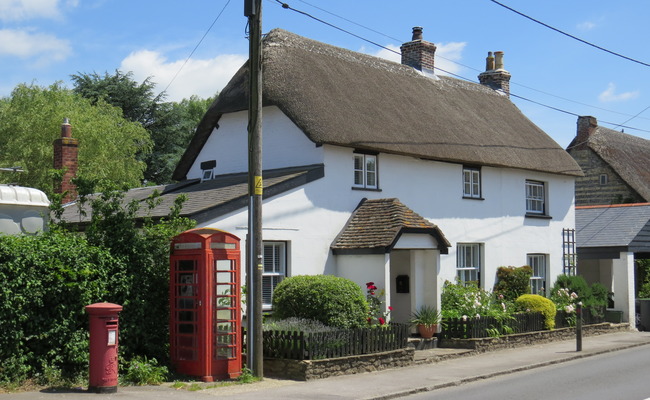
224, 265
224, 277
185, 265
186, 341
225, 302
185, 328
224, 315
186, 354
225, 352
225, 327
185, 304
186, 316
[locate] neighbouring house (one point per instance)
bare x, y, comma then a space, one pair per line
379, 171
611, 235
609, 238
616, 165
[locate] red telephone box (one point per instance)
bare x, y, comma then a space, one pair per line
205, 304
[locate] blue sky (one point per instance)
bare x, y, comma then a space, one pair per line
44, 41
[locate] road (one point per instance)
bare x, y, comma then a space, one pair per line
612, 376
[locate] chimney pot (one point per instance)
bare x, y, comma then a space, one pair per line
489, 62
417, 33
66, 128
498, 60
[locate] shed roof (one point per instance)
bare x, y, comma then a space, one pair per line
340, 97
625, 227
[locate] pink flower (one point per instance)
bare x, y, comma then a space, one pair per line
390, 308
368, 284
381, 321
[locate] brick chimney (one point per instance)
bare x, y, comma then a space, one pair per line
419, 53
66, 149
586, 127
495, 76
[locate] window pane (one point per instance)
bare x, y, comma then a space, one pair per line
538, 281
358, 169
468, 262
535, 197
274, 269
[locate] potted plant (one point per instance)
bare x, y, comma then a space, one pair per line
426, 319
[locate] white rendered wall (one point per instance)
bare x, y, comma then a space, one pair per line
283, 144
310, 217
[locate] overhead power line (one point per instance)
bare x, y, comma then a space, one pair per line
571, 36
288, 7
196, 47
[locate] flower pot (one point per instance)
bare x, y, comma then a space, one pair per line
427, 331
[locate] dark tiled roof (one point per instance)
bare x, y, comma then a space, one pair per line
619, 226
376, 225
628, 155
210, 199
344, 98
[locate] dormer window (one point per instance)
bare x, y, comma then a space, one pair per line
603, 179
207, 170
365, 171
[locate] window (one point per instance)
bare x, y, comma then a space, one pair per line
365, 171
275, 269
471, 183
468, 262
535, 198
538, 281
603, 179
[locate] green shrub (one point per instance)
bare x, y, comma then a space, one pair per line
573, 283
332, 300
458, 300
295, 325
512, 282
142, 371
594, 298
534, 302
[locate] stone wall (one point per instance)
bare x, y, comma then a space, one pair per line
317, 369
589, 190
530, 338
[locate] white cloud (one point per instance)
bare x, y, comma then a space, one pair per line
41, 48
203, 78
19, 10
586, 26
447, 54
610, 95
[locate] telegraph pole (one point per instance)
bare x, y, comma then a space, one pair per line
254, 258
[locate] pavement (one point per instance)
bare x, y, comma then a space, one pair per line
434, 369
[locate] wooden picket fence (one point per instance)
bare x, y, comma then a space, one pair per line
334, 344
471, 328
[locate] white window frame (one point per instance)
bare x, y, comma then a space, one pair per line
603, 179
471, 183
469, 260
366, 174
536, 197
274, 270
538, 263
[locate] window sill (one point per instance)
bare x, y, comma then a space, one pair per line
472, 198
538, 216
366, 189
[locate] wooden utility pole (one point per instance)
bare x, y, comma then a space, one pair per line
255, 246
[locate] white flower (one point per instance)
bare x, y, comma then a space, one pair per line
569, 308
477, 303
503, 305
464, 317
574, 295
478, 316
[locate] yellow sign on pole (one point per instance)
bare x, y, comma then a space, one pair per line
259, 187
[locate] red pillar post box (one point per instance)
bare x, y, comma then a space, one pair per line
104, 332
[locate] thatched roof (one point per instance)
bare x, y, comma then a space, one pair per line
629, 156
340, 97
376, 226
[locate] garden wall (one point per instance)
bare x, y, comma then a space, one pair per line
304, 370
530, 338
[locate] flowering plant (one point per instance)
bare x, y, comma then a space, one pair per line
566, 301
376, 315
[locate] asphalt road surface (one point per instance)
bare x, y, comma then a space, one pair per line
621, 375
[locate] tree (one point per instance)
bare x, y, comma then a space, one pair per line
31, 118
170, 124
